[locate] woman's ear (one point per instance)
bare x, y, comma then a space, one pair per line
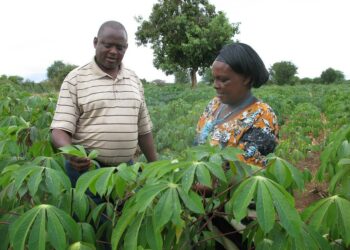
247, 81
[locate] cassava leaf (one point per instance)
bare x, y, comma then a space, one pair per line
20, 228
264, 208
242, 197
131, 236
37, 238
192, 201
163, 210
188, 177
203, 175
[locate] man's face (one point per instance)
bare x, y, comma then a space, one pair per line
110, 48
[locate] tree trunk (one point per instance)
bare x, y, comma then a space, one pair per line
194, 77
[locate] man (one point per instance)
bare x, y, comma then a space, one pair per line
101, 106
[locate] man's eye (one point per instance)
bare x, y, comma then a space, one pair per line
121, 47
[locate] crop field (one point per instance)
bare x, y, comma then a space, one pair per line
302, 198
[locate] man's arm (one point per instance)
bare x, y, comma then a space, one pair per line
146, 144
61, 138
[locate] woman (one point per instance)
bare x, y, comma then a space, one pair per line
236, 118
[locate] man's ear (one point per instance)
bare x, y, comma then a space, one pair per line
95, 42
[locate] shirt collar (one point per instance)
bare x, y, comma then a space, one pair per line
98, 71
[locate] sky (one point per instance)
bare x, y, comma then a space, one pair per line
312, 34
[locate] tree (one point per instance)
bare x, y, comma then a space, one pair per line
283, 72
58, 71
207, 76
185, 35
331, 75
182, 76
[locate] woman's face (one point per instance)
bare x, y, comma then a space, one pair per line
231, 87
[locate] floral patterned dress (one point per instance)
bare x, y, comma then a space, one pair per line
253, 129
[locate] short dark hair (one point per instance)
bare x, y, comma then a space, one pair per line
245, 61
111, 24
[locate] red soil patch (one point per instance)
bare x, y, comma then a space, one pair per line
314, 190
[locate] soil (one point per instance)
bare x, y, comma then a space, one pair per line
314, 190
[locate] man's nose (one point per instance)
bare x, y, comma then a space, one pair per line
113, 50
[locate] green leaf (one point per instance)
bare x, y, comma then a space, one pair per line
192, 201
97, 211
34, 181
342, 173
126, 172
151, 169
153, 236
277, 168
55, 180
120, 185
203, 175
343, 208
37, 238
22, 174
20, 228
146, 195
55, 231
163, 210
88, 233
93, 154
127, 216
231, 153
68, 223
81, 246
131, 236
319, 206
80, 206
264, 208
242, 197
102, 182
88, 178
73, 150
188, 177
216, 169
81, 149
284, 204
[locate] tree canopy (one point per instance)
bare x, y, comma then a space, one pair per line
58, 71
283, 72
331, 75
185, 35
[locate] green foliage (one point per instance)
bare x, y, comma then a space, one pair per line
331, 75
189, 39
283, 72
58, 71
182, 76
207, 76
330, 216
160, 209
31, 228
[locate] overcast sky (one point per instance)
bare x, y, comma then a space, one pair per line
313, 34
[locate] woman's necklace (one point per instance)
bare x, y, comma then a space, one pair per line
209, 125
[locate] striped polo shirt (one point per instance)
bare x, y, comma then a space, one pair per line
101, 113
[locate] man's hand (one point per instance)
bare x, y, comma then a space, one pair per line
78, 163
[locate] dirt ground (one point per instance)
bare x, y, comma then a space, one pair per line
314, 190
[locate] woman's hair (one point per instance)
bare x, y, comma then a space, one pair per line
245, 61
